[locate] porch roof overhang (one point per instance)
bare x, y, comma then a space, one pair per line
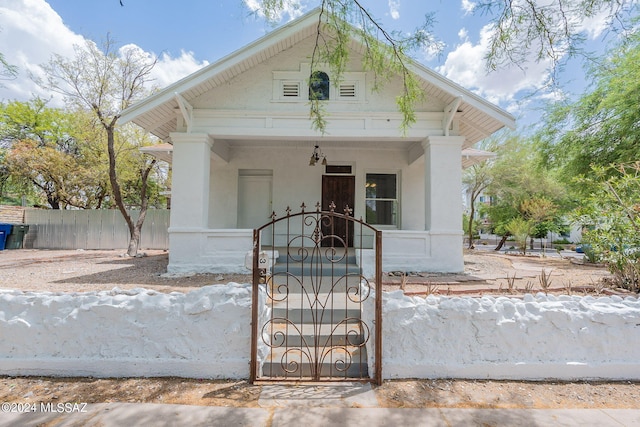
158, 113
470, 156
163, 152
473, 156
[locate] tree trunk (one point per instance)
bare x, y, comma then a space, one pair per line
134, 241
115, 186
501, 243
471, 215
54, 202
135, 229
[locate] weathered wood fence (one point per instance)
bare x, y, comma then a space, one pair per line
92, 229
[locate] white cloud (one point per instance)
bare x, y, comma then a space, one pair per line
463, 34
31, 32
468, 6
291, 8
169, 70
394, 8
466, 66
595, 25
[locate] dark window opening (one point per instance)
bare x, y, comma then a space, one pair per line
338, 169
319, 86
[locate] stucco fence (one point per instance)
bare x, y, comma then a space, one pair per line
206, 334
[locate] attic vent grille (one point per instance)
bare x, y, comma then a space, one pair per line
348, 90
290, 90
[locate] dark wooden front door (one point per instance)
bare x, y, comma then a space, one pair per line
340, 190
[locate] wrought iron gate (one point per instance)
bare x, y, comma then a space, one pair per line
311, 326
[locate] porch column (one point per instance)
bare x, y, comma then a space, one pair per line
190, 180
443, 201
443, 183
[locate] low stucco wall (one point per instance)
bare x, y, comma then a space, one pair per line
206, 334
202, 334
537, 337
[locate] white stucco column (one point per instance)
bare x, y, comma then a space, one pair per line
443, 201
443, 183
190, 180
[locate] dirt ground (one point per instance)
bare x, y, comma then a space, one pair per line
486, 273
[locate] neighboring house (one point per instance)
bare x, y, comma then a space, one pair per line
242, 141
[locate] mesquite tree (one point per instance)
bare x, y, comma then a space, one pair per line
106, 80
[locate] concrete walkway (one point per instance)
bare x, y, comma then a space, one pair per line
148, 414
350, 405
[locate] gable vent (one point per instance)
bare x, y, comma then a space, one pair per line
290, 90
348, 90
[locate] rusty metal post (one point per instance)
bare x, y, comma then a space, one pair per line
378, 363
253, 371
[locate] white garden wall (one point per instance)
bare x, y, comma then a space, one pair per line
206, 334
537, 337
202, 334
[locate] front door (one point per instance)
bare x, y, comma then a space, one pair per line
339, 189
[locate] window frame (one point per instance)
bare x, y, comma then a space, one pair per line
396, 200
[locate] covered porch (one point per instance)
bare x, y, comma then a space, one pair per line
410, 188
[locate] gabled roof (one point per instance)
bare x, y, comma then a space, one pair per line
156, 114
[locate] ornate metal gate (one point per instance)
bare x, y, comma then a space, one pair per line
313, 325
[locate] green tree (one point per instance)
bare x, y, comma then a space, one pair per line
601, 127
519, 184
476, 179
106, 81
520, 229
542, 214
611, 220
54, 151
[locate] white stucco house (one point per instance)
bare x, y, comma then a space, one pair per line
241, 141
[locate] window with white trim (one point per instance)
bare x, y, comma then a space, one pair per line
381, 199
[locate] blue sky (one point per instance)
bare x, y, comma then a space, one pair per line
186, 35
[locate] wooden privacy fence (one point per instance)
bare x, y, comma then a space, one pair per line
92, 229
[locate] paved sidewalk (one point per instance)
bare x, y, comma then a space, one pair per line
311, 405
148, 414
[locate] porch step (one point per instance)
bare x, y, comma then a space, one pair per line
320, 269
340, 362
283, 282
309, 316
321, 309
323, 257
309, 335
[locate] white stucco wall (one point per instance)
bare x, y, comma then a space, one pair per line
537, 337
206, 334
202, 334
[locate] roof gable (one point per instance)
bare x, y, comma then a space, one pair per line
157, 113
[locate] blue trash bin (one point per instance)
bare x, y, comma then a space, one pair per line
5, 230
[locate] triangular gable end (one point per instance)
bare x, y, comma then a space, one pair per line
157, 113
